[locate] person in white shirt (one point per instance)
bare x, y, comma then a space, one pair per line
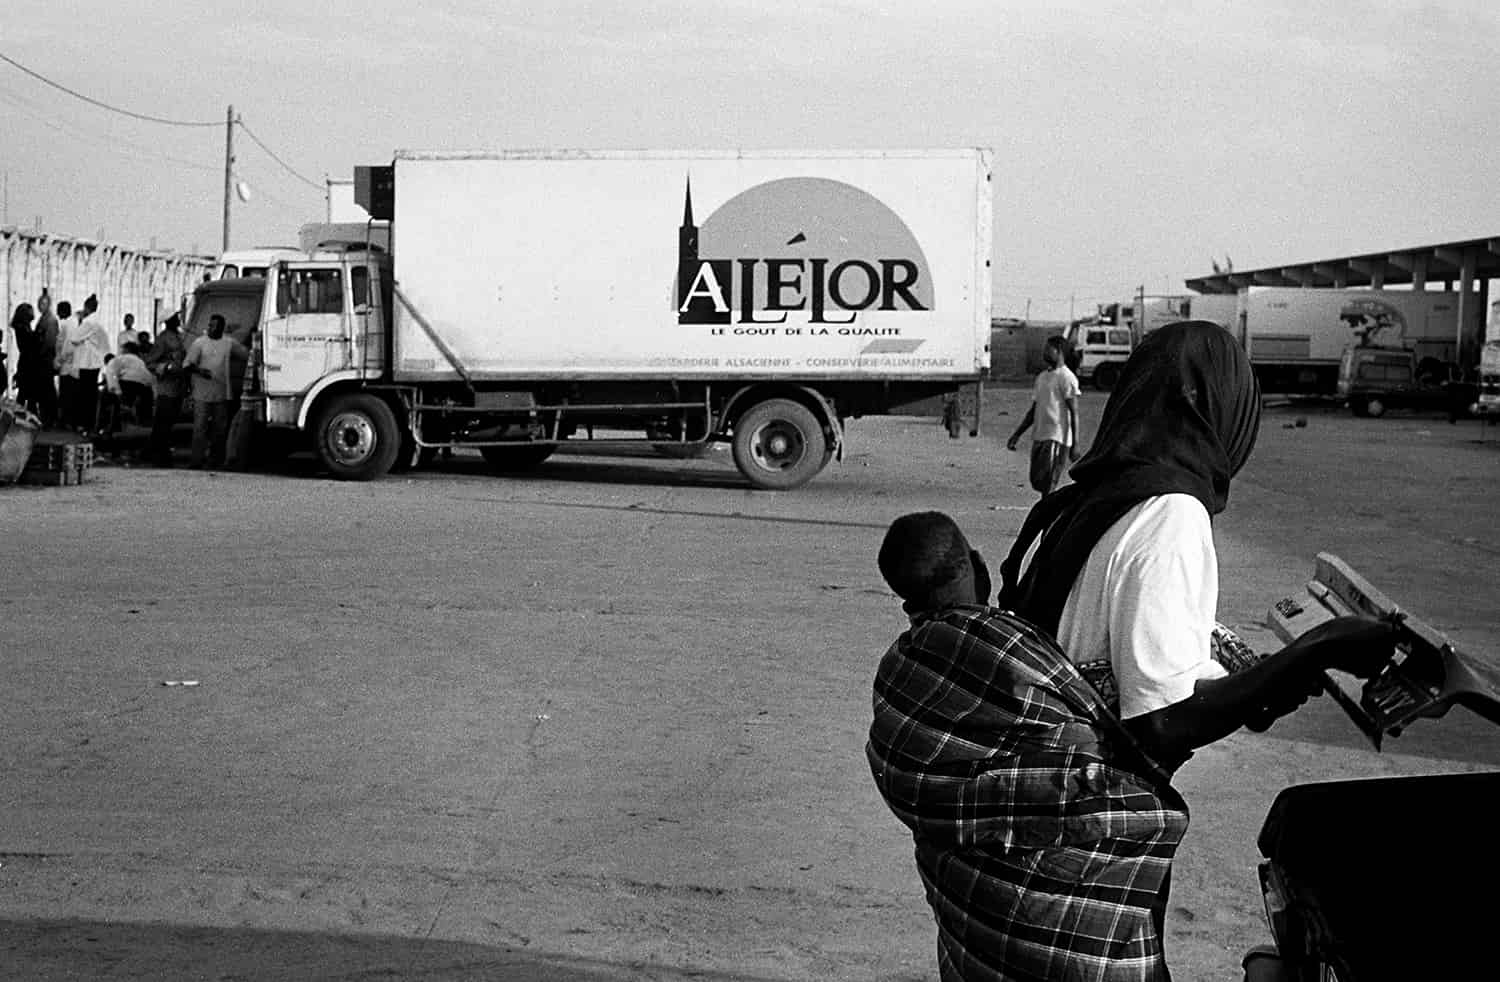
67, 376
127, 335
1054, 412
1120, 566
90, 343
128, 382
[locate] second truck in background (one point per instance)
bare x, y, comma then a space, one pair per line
1298, 339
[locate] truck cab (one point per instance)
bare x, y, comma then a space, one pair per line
323, 322
1101, 350
1487, 401
1487, 398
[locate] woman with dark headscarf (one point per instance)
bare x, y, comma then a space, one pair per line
1120, 565
20, 326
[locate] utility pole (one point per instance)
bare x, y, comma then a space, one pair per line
228, 171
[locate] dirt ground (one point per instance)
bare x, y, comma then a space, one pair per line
601, 722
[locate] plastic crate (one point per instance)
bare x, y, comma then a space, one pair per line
59, 464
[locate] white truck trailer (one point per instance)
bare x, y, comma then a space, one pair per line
1296, 336
675, 299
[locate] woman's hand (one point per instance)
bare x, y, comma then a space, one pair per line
1355, 644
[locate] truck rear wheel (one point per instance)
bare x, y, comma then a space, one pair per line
517, 458
1106, 375
779, 444
357, 437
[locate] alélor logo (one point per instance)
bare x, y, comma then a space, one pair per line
799, 244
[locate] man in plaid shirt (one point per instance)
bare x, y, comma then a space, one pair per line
1044, 837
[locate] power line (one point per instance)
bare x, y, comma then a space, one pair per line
248, 132
112, 143
95, 102
159, 119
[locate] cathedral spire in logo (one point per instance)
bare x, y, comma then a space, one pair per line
687, 235
701, 286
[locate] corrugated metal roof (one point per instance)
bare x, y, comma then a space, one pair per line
1420, 264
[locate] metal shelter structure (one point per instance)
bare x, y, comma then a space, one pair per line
147, 283
1464, 266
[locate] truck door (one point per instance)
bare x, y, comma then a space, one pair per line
307, 335
370, 302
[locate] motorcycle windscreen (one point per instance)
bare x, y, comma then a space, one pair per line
1397, 874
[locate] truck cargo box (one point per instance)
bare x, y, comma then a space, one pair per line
1290, 324
839, 265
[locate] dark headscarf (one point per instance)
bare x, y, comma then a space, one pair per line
21, 319
1182, 419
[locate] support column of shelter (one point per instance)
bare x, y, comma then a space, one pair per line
1470, 323
1484, 312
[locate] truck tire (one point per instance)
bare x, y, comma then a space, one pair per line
1106, 375
779, 445
517, 458
1375, 407
357, 438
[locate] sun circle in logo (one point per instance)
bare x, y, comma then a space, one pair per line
800, 236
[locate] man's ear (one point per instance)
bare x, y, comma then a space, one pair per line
982, 584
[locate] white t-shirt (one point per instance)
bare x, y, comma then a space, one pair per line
126, 368
1146, 600
1050, 395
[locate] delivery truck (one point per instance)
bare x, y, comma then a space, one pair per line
530, 299
1296, 337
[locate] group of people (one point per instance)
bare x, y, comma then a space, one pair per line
1028, 738
71, 375
59, 360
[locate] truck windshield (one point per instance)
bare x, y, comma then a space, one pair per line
311, 291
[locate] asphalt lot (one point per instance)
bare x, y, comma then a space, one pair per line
604, 721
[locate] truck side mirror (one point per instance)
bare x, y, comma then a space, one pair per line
282, 302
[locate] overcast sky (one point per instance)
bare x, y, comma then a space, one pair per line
1134, 143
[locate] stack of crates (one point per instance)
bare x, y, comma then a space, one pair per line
57, 464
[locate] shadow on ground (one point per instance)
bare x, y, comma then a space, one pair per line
572, 465
47, 950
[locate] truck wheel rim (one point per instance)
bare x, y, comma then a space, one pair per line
778, 445
351, 437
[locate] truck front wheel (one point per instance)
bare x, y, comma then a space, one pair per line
357, 437
779, 444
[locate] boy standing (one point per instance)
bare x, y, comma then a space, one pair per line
1054, 411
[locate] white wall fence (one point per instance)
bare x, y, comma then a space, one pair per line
148, 284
